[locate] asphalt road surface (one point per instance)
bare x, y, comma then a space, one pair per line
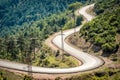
89, 62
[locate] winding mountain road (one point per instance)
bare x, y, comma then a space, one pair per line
89, 61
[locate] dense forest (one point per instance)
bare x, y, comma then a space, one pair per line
25, 24
18, 41
104, 30
14, 13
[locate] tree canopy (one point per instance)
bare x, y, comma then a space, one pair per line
102, 30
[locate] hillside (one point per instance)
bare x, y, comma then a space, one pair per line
104, 29
28, 39
101, 37
20, 11
14, 13
17, 40
7, 75
23, 31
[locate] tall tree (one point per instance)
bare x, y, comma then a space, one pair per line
12, 47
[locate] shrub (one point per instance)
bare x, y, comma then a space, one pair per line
109, 47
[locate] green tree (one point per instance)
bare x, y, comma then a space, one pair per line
1, 76
109, 47
21, 46
12, 48
69, 24
27, 78
79, 20
74, 6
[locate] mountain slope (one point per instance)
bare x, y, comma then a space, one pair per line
103, 29
16, 12
18, 41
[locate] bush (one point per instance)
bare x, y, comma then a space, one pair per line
74, 6
99, 41
79, 20
109, 47
27, 77
102, 30
69, 24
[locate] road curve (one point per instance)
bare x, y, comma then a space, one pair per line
89, 61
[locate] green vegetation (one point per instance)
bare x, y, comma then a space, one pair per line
24, 25
103, 29
15, 13
28, 39
47, 58
6, 75
101, 35
19, 11
103, 6
106, 74
75, 22
74, 6
18, 50
27, 78
79, 20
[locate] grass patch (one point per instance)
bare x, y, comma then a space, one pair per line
6, 75
105, 74
52, 59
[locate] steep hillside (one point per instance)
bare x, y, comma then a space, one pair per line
28, 39
101, 37
17, 12
103, 6
103, 30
